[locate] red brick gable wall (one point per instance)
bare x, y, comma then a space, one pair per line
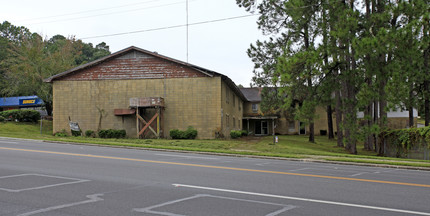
134, 65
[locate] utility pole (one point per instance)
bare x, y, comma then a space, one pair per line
187, 27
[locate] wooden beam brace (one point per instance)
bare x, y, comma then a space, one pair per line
148, 125
158, 122
144, 121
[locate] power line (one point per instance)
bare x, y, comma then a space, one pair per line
170, 27
88, 11
125, 11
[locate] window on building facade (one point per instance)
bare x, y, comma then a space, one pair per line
227, 121
227, 95
291, 126
254, 107
234, 122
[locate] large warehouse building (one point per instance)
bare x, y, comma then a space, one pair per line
146, 94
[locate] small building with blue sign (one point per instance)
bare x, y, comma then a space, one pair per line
21, 102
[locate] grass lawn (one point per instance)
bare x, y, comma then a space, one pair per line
290, 146
26, 130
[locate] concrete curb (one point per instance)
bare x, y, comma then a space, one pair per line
309, 160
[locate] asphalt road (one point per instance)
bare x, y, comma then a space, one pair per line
38, 178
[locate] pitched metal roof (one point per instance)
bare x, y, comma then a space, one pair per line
17, 101
252, 94
205, 71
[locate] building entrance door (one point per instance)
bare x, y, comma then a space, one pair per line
264, 128
261, 128
302, 129
257, 128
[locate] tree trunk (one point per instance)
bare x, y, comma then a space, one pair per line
311, 132
350, 118
426, 104
347, 116
382, 107
375, 121
411, 116
330, 122
382, 115
48, 107
368, 142
410, 104
350, 92
427, 75
339, 119
326, 63
309, 82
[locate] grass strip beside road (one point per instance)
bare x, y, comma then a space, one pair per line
290, 146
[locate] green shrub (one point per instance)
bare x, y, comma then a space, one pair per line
402, 142
190, 133
61, 133
121, 133
2, 119
76, 133
90, 133
112, 133
102, 133
234, 134
244, 133
175, 134
21, 115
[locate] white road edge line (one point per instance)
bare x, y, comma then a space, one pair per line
304, 199
19, 139
7, 142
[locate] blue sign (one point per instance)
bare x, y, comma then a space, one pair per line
28, 102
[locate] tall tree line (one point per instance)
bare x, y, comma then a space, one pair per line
26, 59
354, 55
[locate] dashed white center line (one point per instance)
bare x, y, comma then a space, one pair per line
357, 174
294, 170
182, 156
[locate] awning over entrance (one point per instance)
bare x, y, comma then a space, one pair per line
261, 117
261, 125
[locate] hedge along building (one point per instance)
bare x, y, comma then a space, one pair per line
129, 88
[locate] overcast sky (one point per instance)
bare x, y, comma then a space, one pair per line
220, 46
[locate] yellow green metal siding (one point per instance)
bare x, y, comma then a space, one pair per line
232, 110
188, 102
